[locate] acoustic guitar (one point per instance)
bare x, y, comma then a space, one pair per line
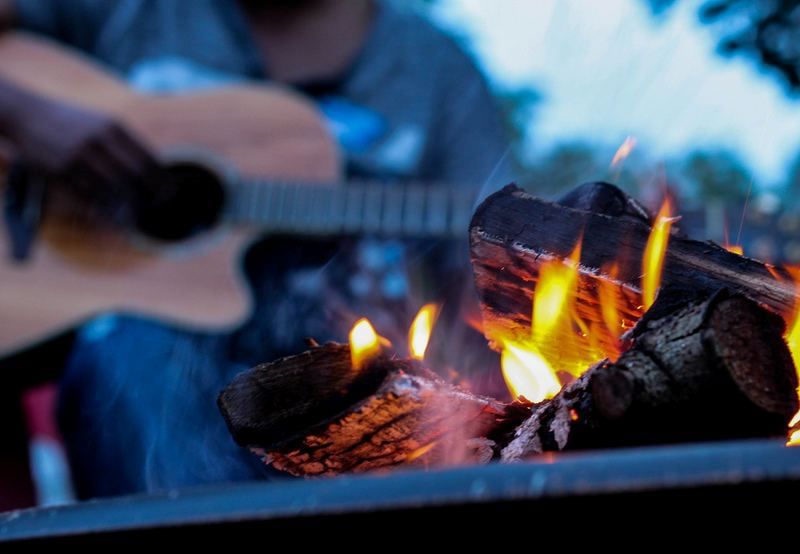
261, 154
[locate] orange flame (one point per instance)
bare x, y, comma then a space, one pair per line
527, 373
793, 321
623, 151
420, 452
609, 297
364, 343
570, 331
794, 436
735, 248
566, 337
529, 367
419, 335
656, 249
793, 341
554, 293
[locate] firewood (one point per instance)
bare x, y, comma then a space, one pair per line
706, 362
312, 414
512, 233
714, 369
274, 402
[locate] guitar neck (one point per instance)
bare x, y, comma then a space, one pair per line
403, 211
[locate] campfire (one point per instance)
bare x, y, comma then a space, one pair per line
613, 330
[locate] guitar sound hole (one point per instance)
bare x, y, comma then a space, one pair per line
188, 201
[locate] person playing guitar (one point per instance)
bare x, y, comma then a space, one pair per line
402, 100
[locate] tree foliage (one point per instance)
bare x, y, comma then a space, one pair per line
716, 175
767, 31
791, 194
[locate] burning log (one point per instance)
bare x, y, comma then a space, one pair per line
710, 369
713, 369
512, 234
313, 414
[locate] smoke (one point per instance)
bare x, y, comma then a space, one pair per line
500, 176
137, 409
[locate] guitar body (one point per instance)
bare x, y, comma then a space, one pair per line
77, 271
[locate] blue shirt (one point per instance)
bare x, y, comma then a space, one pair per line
415, 104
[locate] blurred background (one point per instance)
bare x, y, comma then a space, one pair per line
705, 91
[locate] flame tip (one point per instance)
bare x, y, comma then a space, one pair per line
623, 151
419, 334
365, 344
655, 252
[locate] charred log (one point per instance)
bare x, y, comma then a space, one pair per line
396, 414
275, 402
715, 369
512, 233
606, 199
711, 369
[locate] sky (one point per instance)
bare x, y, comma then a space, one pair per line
608, 69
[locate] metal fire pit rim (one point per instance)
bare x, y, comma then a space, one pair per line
552, 476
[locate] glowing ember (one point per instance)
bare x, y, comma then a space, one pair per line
364, 343
420, 333
527, 373
623, 151
653, 263
735, 248
421, 451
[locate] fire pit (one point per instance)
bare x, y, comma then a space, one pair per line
702, 486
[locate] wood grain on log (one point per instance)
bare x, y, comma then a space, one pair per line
715, 369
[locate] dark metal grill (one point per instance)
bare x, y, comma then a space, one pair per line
726, 480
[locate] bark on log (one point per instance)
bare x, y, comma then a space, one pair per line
512, 233
274, 402
406, 415
715, 369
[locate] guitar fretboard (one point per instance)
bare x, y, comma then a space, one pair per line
408, 210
